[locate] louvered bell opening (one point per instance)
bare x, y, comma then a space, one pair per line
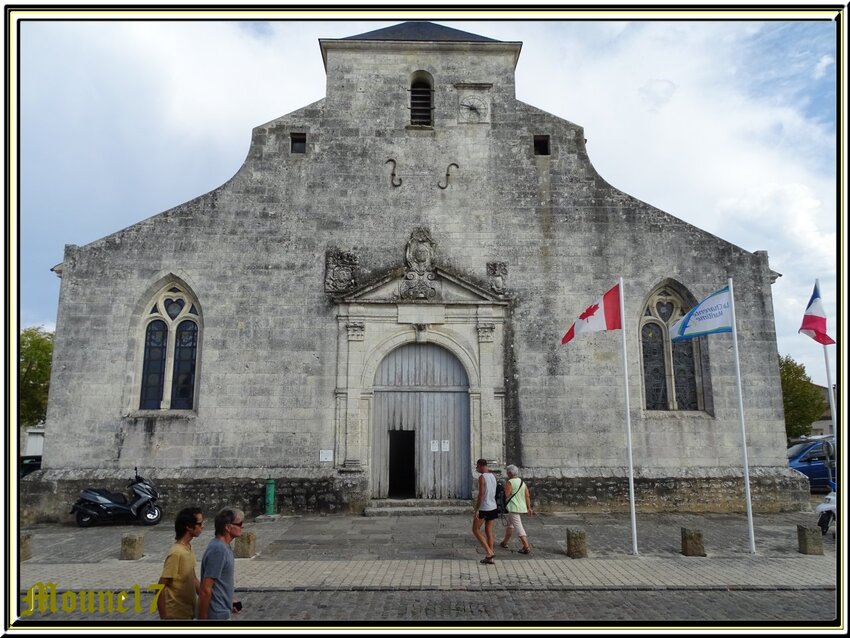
420, 104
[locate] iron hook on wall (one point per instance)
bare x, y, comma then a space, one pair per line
448, 168
393, 176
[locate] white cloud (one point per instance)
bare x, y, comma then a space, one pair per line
823, 65
657, 93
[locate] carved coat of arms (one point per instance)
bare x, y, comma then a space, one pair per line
419, 258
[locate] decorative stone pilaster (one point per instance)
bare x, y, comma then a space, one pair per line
485, 332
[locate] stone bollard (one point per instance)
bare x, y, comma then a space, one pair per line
26, 547
692, 542
809, 540
246, 545
576, 543
132, 546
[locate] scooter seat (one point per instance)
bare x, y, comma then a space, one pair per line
115, 497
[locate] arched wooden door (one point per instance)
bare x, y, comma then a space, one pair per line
420, 428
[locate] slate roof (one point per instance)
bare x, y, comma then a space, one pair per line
421, 32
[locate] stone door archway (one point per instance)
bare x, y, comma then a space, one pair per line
423, 389
419, 304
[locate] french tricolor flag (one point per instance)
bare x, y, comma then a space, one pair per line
814, 320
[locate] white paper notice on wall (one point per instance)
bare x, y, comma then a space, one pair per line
326, 455
435, 445
445, 445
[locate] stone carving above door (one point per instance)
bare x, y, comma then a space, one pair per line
418, 279
419, 255
340, 271
498, 272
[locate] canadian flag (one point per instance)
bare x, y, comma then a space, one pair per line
602, 314
814, 319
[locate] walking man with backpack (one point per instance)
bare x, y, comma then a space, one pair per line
485, 513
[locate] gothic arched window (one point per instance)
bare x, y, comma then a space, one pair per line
421, 99
673, 376
170, 358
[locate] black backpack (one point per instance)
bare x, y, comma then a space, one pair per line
501, 506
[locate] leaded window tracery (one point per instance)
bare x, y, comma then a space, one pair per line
170, 356
672, 376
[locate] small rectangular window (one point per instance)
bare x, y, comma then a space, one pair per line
298, 142
541, 145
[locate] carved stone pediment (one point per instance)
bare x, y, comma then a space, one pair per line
420, 280
394, 287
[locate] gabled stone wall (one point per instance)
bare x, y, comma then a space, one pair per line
546, 229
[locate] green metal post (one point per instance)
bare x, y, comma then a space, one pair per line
269, 497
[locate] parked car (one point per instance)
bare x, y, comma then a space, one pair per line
816, 458
30, 464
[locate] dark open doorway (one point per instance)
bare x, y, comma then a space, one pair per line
402, 477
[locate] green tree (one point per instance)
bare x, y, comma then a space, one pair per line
35, 358
803, 401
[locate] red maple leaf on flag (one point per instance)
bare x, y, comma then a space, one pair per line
589, 312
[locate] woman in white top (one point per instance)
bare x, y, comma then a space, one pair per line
485, 511
519, 502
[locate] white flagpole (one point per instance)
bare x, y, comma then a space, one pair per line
829, 393
743, 428
628, 422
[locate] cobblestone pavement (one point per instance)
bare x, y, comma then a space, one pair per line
445, 537
338, 570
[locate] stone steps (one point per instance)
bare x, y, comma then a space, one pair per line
417, 507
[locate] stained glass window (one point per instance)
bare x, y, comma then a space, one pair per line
183, 381
174, 306
153, 371
685, 376
672, 376
171, 343
654, 371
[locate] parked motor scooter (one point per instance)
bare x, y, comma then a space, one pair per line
98, 505
826, 510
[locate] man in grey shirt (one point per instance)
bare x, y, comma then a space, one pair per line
215, 599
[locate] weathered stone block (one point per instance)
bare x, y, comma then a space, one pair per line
576, 543
809, 540
132, 546
26, 546
246, 545
692, 544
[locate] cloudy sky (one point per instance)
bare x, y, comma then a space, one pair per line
729, 125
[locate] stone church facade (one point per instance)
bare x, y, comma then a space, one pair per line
376, 299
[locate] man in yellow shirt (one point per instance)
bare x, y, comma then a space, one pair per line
180, 594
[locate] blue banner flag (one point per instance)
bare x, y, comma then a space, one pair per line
712, 314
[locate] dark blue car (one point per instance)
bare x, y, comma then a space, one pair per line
816, 459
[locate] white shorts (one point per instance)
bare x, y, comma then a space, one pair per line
515, 521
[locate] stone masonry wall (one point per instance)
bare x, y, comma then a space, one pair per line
47, 497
